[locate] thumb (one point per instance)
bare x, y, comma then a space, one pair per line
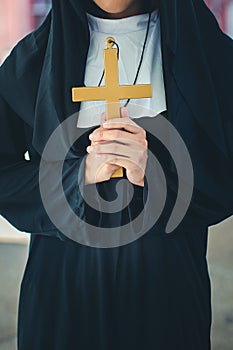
103, 118
124, 112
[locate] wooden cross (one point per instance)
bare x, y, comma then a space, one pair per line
112, 92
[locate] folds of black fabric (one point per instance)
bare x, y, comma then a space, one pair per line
36, 82
155, 291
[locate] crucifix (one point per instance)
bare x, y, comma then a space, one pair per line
112, 92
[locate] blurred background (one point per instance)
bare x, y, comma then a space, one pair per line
18, 18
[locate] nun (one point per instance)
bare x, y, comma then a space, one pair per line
137, 287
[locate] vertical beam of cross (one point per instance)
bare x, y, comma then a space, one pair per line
112, 92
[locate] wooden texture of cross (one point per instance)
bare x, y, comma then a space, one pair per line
112, 92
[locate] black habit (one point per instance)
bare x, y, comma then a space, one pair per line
153, 293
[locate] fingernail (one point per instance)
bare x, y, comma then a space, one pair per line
89, 149
91, 136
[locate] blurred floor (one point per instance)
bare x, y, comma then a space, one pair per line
12, 262
220, 254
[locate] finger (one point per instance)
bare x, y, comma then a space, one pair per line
115, 160
117, 135
103, 118
124, 112
103, 160
133, 150
123, 123
109, 149
105, 171
102, 171
134, 172
108, 164
97, 130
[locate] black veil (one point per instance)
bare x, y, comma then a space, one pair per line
36, 81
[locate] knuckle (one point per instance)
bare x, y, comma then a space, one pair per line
143, 132
118, 134
96, 148
144, 143
98, 133
115, 160
114, 148
142, 157
108, 167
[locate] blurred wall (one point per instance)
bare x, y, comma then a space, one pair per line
15, 22
229, 19
220, 8
18, 18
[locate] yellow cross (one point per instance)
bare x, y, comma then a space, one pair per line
112, 92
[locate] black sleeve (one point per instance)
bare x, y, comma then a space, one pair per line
20, 198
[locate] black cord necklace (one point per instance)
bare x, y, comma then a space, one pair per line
141, 59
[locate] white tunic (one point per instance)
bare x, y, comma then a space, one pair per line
129, 34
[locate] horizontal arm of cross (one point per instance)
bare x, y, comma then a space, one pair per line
111, 94
89, 94
135, 91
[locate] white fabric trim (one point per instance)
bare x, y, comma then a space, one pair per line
129, 33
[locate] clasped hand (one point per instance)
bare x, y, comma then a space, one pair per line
117, 143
